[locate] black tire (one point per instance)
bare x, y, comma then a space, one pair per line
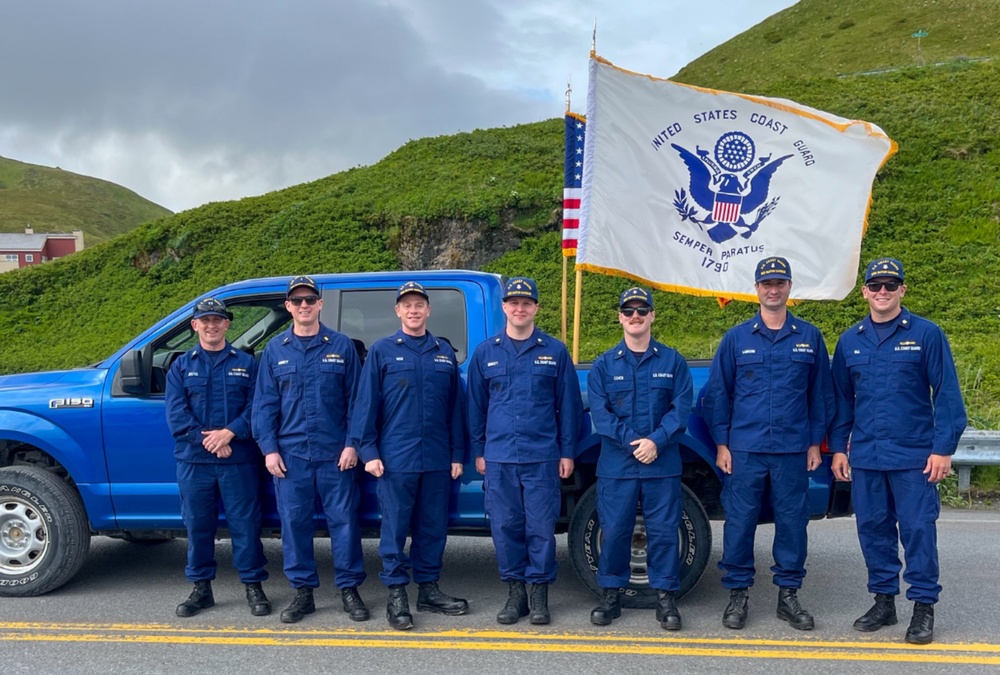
44, 533
585, 541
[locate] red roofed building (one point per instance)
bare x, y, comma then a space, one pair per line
22, 250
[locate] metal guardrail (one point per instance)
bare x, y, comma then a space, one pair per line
976, 448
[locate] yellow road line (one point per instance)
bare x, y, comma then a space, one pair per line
519, 635
913, 654
473, 640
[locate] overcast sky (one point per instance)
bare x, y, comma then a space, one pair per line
191, 101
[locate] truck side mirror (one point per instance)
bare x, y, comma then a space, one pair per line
133, 377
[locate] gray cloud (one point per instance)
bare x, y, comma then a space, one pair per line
191, 101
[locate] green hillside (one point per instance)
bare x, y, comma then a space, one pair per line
830, 38
936, 206
53, 200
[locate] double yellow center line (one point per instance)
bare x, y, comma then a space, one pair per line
491, 640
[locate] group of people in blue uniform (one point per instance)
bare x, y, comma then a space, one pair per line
890, 407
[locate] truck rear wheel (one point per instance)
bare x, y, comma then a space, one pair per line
695, 535
44, 534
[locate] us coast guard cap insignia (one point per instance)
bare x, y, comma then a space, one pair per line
773, 268
411, 287
884, 267
302, 281
521, 287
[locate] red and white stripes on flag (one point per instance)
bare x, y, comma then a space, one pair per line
576, 126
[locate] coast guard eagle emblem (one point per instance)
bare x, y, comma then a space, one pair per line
729, 185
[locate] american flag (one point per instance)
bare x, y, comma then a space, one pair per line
576, 126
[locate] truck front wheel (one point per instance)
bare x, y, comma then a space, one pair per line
585, 540
44, 534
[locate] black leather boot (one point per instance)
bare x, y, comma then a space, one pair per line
398, 609
257, 600
921, 630
609, 609
517, 603
882, 613
353, 604
201, 598
540, 605
736, 612
789, 610
666, 610
302, 604
431, 599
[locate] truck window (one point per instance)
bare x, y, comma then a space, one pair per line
368, 315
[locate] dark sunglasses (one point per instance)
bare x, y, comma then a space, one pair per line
629, 311
876, 286
308, 299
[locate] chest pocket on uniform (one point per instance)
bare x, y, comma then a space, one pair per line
661, 389
196, 389
237, 392
497, 378
856, 365
750, 373
907, 358
288, 380
620, 395
400, 374
331, 379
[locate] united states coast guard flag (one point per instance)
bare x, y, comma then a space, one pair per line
576, 126
686, 188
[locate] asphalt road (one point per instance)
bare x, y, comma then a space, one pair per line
117, 616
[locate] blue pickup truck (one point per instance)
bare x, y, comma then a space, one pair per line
87, 452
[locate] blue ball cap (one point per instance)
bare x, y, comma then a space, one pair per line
411, 287
210, 307
301, 281
773, 268
884, 267
636, 293
520, 287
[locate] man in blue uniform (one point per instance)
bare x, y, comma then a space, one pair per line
900, 406
208, 397
640, 399
409, 421
305, 387
524, 410
767, 403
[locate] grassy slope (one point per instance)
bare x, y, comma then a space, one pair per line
936, 206
53, 200
824, 38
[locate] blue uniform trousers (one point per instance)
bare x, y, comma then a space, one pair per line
307, 482
417, 502
661, 510
742, 494
201, 486
882, 500
522, 502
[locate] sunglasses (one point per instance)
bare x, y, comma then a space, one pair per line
876, 286
308, 299
629, 311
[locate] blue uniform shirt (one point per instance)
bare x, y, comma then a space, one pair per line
205, 393
630, 400
769, 396
410, 407
898, 399
304, 395
523, 408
